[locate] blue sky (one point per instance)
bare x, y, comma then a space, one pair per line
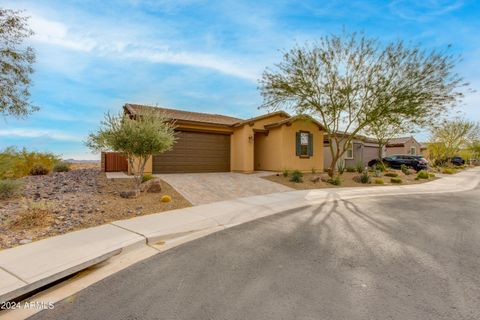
93, 56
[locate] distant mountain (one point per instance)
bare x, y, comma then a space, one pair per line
81, 161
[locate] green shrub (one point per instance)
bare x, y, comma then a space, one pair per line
405, 169
39, 170
336, 181
377, 173
61, 167
285, 173
350, 169
146, 177
364, 177
9, 188
16, 163
396, 180
422, 174
359, 167
379, 181
380, 166
296, 176
431, 175
391, 174
448, 171
314, 170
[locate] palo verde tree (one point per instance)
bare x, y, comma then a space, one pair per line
349, 81
137, 138
451, 136
16, 62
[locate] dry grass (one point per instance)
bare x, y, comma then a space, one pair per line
32, 215
86, 165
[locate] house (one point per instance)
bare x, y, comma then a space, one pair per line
361, 150
215, 143
404, 145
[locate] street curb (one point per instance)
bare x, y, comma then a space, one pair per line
28, 267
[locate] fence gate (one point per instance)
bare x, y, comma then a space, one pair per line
115, 162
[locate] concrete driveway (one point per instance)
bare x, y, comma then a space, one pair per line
202, 188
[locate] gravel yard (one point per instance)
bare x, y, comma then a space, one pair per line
62, 202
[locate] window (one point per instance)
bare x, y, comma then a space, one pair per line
413, 150
304, 144
349, 152
304, 137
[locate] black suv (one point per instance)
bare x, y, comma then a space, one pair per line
415, 162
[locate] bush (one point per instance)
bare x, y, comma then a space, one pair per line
379, 181
364, 177
166, 198
405, 169
296, 176
377, 173
396, 180
380, 166
431, 175
350, 169
336, 181
9, 188
285, 173
61, 167
16, 163
32, 214
39, 170
448, 171
314, 170
359, 167
422, 174
146, 177
391, 174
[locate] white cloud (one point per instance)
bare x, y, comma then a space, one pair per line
118, 44
40, 133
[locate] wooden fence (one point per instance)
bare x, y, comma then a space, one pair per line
115, 162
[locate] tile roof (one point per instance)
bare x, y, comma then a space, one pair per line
175, 114
400, 140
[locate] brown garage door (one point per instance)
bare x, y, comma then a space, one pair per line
195, 152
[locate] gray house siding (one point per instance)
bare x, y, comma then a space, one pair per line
362, 152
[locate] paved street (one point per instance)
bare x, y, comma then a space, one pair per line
403, 257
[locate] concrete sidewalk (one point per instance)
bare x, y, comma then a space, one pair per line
31, 266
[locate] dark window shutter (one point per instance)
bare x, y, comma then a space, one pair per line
297, 144
310, 144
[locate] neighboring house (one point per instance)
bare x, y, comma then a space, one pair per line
424, 150
361, 150
216, 143
404, 145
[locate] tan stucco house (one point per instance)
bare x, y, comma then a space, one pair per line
214, 143
403, 145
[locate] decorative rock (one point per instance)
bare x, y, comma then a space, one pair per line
153, 186
25, 241
324, 177
130, 194
315, 179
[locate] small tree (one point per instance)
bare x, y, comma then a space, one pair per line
384, 130
350, 81
137, 138
448, 138
16, 63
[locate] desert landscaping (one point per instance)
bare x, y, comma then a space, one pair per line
60, 202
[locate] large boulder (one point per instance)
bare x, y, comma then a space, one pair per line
324, 177
153, 185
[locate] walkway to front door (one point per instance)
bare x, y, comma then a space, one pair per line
202, 188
